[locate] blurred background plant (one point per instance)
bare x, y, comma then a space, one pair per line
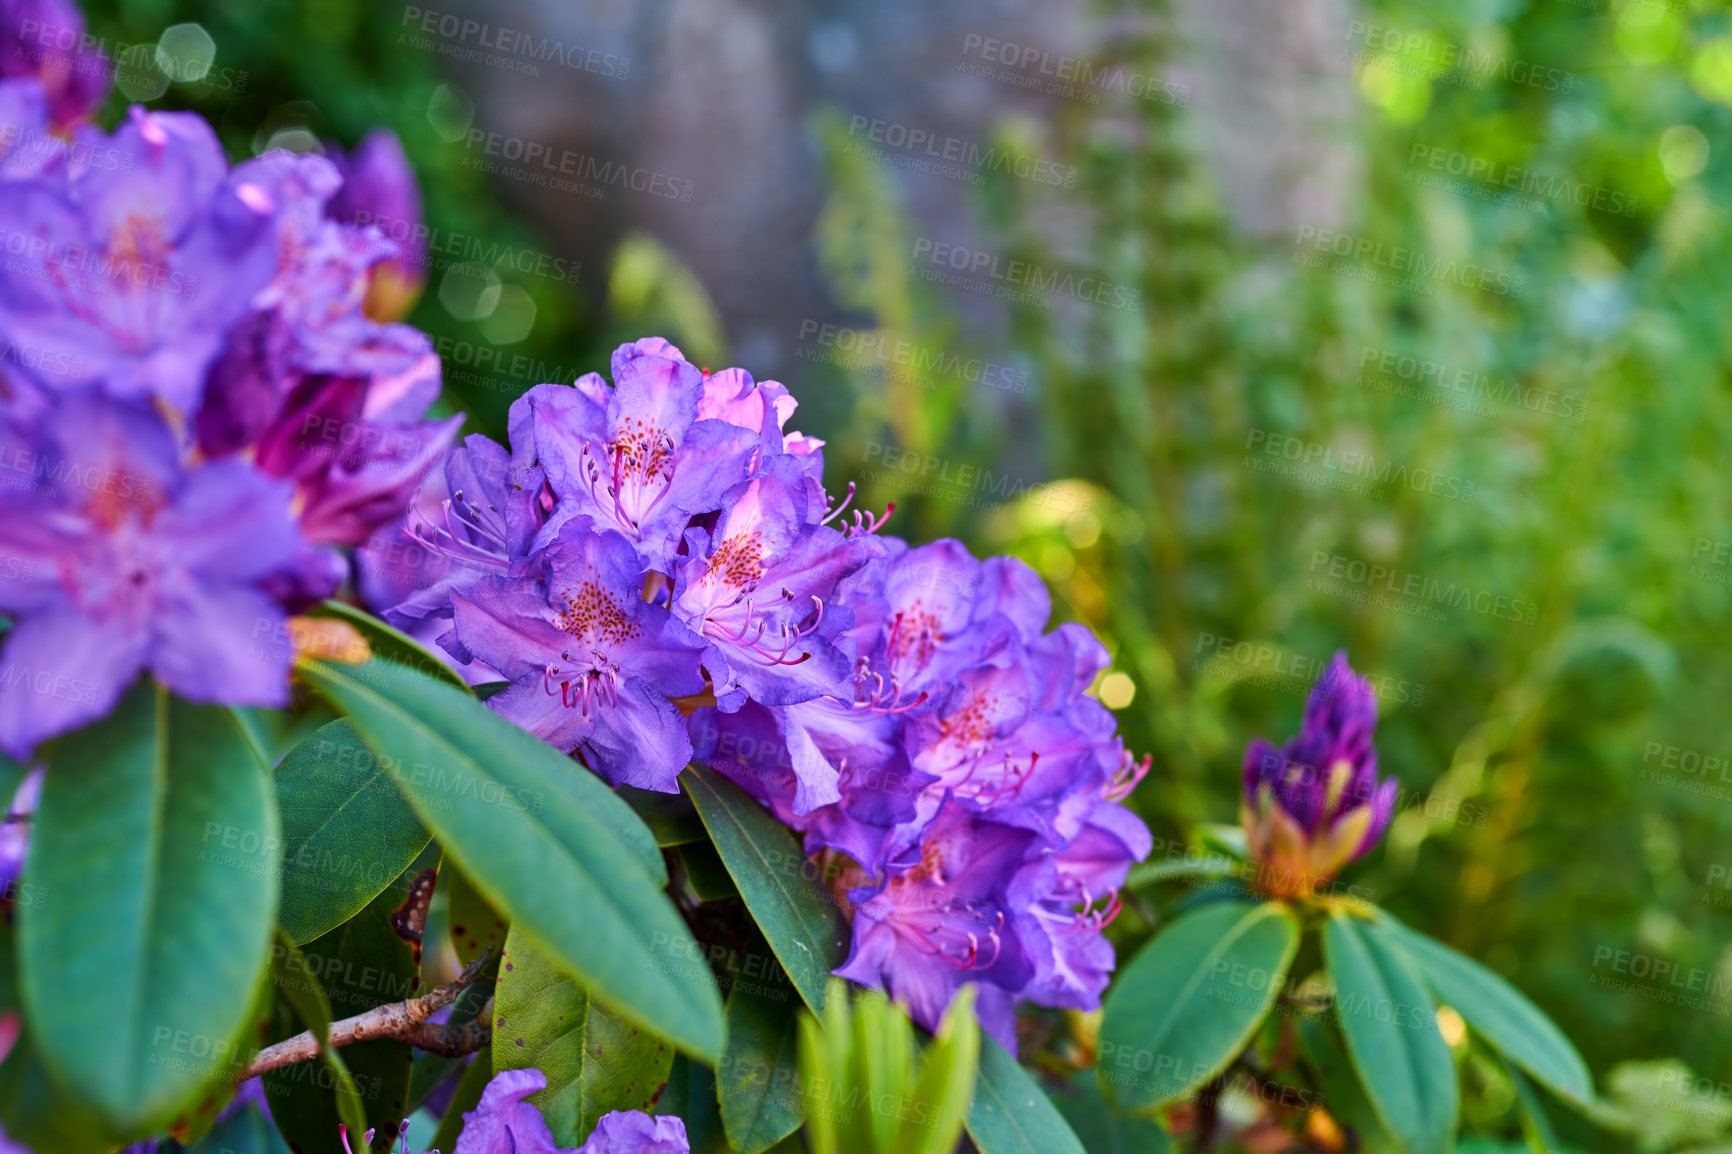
1500, 279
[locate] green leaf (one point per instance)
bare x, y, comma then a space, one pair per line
799, 920
758, 1080
40, 1114
595, 1060
247, 1131
1500, 1013
670, 816
1100, 1129
194, 1122
1011, 1113
1537, 1126
691, 1096
949, 1086
1390, 1024
476, 927
347, 832
463, 1100
706, 876
362, 964
301, 989
11, 777
543, 840
154, 846
1149, 873
1190, 1000
392, 644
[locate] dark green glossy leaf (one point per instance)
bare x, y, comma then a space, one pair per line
1190, 1000
670, 816
691, 1096
38, 1113
757, 1084
360, 965
476, 927
177, 801
705, 874
347, 831
1011, 1114
1100, 1129
1499, 1012
778, 882
1390, 1024
595, 1061
300, 987
543, 840
247, 1131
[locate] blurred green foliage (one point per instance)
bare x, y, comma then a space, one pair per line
1560, 816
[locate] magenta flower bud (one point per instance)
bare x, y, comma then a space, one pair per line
1316, 804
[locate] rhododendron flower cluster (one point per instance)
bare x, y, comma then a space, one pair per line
195, 411
655, 568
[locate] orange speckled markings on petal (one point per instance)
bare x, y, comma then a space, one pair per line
590, 612
738, 561
642, 452
914, 635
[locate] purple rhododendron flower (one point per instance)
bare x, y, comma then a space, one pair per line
503, 1123
945, 919
634, 1132
636, 456
592, 665
1316, 804
44, 40
324, 395
664, 546
379, 192
126, 561
128, 279
755, 586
